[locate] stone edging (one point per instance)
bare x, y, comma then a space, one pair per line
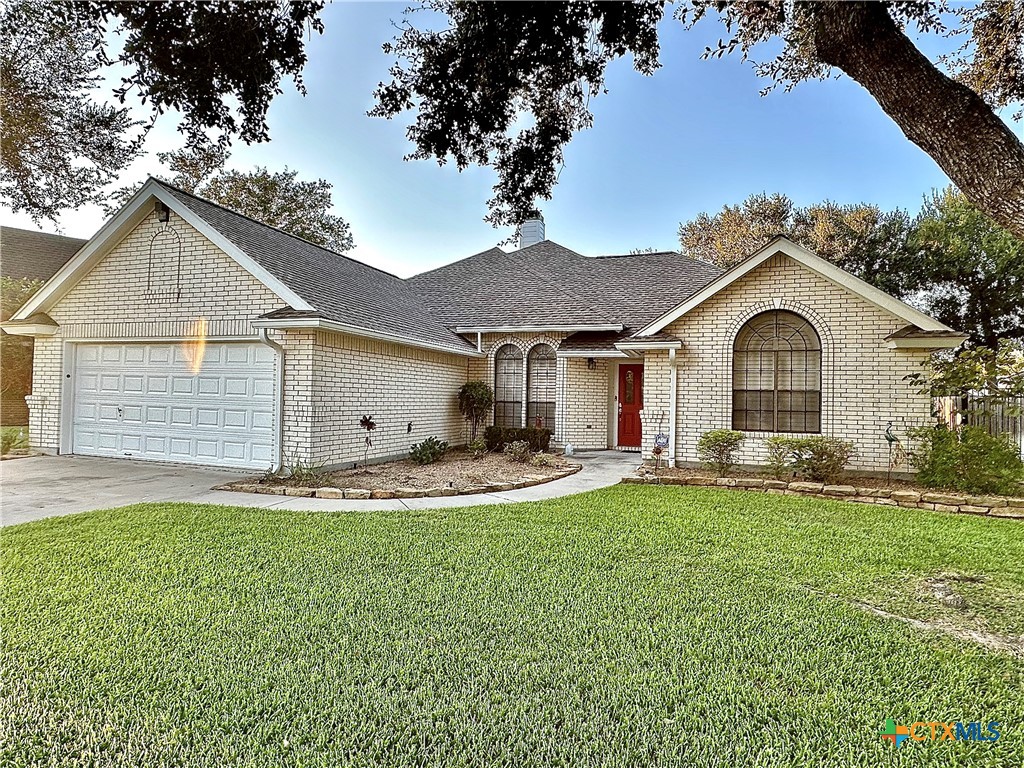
397, 493
994, 506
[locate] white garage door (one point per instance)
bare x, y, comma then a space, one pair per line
150, 401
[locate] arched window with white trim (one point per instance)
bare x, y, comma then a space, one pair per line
776, 375
508, 386
540, 387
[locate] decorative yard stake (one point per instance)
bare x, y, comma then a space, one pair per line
369, 425
896, 453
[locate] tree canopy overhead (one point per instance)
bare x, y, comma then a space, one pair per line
219, 64
470, 83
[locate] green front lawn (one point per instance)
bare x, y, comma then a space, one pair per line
630, 626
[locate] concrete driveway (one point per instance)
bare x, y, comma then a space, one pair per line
49, 486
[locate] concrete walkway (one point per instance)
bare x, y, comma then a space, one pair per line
49, 486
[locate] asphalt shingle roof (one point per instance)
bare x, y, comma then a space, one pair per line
547, 283
340, 288
35, 255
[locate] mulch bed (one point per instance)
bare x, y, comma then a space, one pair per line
456, 470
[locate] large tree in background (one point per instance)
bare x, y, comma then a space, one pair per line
218, 63
861, 238
280, 199
951, 261
471, 83
968, 271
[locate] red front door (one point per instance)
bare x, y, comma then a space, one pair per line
631, 400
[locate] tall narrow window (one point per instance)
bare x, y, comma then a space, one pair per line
508, 387
776, 375
540, 387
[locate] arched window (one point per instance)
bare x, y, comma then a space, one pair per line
508, 387
540, 387
776, 375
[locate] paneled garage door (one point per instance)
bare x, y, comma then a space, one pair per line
151, 401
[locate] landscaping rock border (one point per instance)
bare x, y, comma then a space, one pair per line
993, 506
396, 493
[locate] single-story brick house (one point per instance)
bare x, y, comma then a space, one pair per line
185, 332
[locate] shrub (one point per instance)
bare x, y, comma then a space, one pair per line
475, 401
477, 448
428, 450
822, 459
497, 438
518, 450
12, 439
970, 460
779, 454
299, 473
718, 447
542, 460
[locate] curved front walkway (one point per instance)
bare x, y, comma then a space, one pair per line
48, 486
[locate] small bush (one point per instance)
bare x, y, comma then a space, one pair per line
542, 460
497, 438
475, 401
518, 450
718, 447
969, 460
477, 448
12, 439
428, 451
778, 460
822, 459
299, 473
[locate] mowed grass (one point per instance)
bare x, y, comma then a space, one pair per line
631, 626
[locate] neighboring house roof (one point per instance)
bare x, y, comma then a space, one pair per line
34, 255
549, 285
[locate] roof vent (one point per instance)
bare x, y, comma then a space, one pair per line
531, 231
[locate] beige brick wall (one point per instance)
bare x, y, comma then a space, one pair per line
587, 404
395, 384
863, 385
156, 283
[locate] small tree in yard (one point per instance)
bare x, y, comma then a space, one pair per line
718, 447
475, 401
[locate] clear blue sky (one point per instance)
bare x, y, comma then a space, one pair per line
691, 138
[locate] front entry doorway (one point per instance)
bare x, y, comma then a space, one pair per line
631, 401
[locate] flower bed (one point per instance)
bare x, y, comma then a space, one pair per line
903, 496
457, 474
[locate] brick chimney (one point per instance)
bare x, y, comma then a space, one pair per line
531, 231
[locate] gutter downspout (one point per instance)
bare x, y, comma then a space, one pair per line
673, 386
479, 342
264, 336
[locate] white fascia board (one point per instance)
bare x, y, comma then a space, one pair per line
28, 329
317, 323
816, 264
115, 230
596, 353
933, 342
642, 345
537, 328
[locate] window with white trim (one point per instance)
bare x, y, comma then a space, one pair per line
776, 375
540, 387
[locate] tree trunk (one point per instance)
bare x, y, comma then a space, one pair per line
948, 120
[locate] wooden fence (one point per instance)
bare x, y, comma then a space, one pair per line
996, 419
